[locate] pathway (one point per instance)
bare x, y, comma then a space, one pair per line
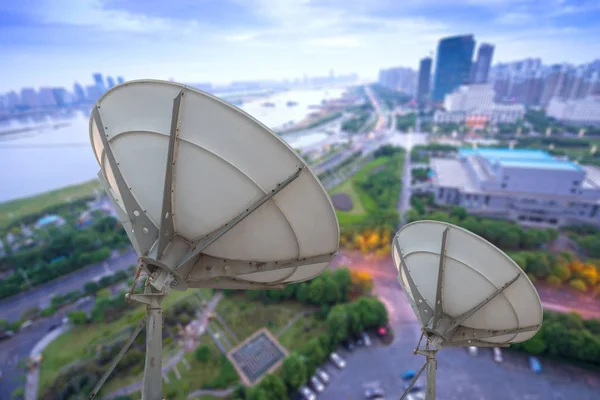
293, 320
33, 375
172, 363
215, 393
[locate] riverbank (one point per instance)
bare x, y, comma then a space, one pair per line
15, 209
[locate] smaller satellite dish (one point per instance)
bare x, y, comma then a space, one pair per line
463, 290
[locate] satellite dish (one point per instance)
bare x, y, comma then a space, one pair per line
209, 197
463, 290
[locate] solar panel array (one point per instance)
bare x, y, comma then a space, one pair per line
257, 356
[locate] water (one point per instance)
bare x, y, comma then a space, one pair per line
46, 159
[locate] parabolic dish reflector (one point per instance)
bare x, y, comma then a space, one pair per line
481, 298
205, 190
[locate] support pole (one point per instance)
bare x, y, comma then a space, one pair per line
152, 385
431, 371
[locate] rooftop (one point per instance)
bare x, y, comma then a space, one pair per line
506, 153
521, 158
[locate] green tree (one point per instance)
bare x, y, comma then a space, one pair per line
316, 291
337, 323
314, 355
202, 353
302, 292
90, 287
273, 387
294, 371
343, 279
459, 212
77, 317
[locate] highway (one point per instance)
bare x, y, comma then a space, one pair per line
15, 352
12, 307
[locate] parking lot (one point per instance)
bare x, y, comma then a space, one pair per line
460, 376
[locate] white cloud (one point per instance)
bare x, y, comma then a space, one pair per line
514, 18
339, 41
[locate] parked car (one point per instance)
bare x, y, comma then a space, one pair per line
416, 387
408, 375
374, 393
472, 351
337, 360
366, 339
316, 384
416, 396
498, 355
323, 375
348, 345
53, 327
535, 365
359, 341
306, 393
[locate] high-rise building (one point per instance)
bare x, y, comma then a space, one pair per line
46, 97
423, 81
553, 83
29, 98
79, 93
61, 97
92, 93
110, 81
399, 78
453, 65
481, 67
12, 100
120, 79
99, 82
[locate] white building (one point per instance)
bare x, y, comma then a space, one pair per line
470, 97
528, 186
477, 101
580, 111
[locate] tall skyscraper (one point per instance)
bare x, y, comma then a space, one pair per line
452, 65
110, 81
79, 93
423, 81
99, 83
120, 79
481, 68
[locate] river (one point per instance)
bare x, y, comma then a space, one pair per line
50, 158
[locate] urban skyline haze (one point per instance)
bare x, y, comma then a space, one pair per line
225, 40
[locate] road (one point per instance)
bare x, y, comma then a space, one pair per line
460, 376
12, 307
382, 117
15, 351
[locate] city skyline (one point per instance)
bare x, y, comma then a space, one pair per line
209, 41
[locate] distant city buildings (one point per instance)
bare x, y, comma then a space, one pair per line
531, 83
584, 111
453, 65
481, 67
476, 102
399, 78
423, 83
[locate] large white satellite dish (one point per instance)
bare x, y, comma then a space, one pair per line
464, 291
209, 197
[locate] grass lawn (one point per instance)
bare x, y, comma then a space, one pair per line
15, 209
296, 336
362, 203
198, 375
347, 187
244, 317
73, 345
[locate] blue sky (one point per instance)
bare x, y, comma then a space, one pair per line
54, 42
